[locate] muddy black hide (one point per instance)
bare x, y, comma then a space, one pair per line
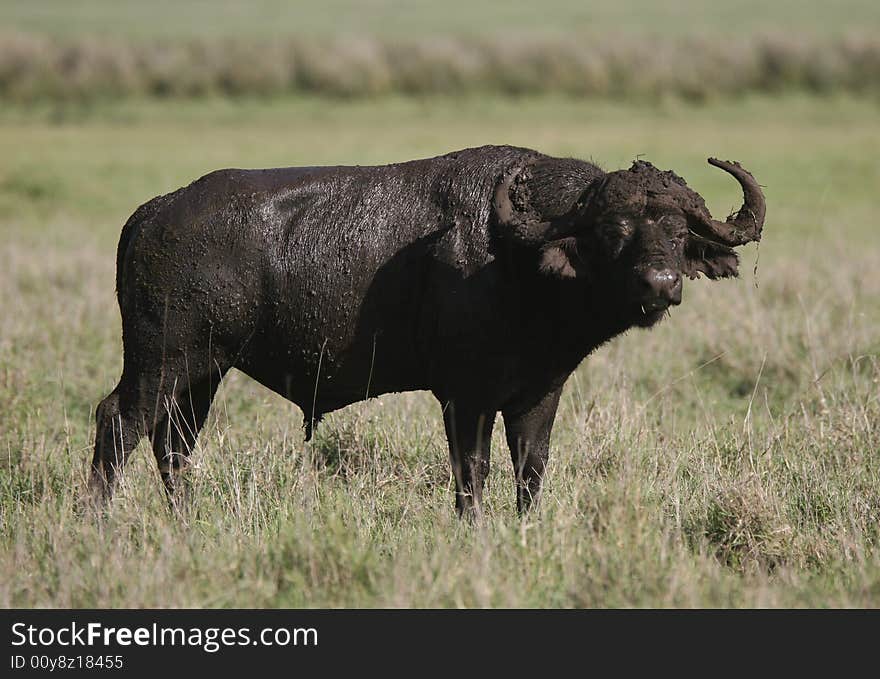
484, 276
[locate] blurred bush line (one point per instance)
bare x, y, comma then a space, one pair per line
36, 67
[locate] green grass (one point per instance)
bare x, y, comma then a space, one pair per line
730, 457
272, 18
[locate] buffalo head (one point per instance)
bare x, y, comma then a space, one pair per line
640, 230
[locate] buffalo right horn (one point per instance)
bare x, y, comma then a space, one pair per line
744, 225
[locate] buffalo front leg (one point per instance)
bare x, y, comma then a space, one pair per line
528, 436
469, 432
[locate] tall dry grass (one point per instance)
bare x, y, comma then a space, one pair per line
35, 67
728, 457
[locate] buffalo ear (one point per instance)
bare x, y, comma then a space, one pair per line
561, 259
716, 261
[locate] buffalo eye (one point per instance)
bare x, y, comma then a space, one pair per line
616, 235
625, 229
675, 230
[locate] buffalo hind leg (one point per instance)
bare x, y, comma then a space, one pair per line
528, 437
469, 432
139, 407
118, 431
176, 431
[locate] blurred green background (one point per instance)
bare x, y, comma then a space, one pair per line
277, 18
98, 49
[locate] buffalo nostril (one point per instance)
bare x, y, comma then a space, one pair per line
675, 290
646, 284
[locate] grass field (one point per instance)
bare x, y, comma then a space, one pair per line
730, 457
273, 18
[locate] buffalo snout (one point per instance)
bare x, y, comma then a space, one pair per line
659, 288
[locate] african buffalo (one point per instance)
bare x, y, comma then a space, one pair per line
485, 276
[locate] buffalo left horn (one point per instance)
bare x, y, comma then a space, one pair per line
518, 226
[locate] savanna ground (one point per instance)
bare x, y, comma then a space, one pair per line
729, 457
